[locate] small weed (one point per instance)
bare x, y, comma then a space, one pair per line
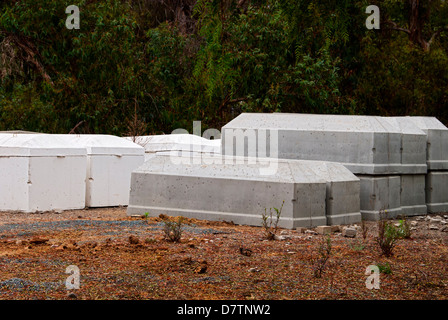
384, 268
388, 235
150, 241
404, 229
271, 226
324, 251
173, 229
364, 229
357, 245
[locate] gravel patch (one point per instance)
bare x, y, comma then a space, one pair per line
18, 284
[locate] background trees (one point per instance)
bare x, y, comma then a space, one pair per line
151, 66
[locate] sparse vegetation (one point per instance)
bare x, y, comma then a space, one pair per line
404, 228
173, 229
357, 245
384, 268
270, 224
364, 229
324, 251
216, 261
388, 235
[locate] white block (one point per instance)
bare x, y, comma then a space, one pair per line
40, 172
110, 161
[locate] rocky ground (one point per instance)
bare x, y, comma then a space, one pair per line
122, 257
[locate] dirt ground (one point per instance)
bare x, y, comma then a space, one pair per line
122, 257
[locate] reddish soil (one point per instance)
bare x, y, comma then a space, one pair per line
122, 257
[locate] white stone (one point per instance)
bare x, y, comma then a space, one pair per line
323, 229
435, 219
349, 232
280, 238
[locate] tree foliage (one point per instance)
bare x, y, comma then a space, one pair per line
151, 66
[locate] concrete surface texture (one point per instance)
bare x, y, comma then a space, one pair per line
413, 143
437, 161
436, 191
437, 141
364, 144
41, 172
390, 155
233, 189
110, 161
379, 194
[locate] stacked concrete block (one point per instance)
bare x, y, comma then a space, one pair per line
437, 162
387, 155
238, 189
413, 162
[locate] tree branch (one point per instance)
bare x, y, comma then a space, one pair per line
396, 27
436, 34
75, 127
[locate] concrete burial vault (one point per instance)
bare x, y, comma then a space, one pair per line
388, 154
40, 172
110, 161
234, 189
437, 141
364, 144
437, 161
179, 143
